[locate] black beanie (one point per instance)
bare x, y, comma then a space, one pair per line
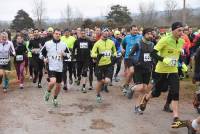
146, 30
176, 25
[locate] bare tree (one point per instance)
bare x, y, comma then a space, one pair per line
170, 8
67, 15
148, 14
39, 12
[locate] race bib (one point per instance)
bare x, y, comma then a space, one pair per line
174, 62
4, 61
147, 57
119, 54
56, 57
106, 53
83, 45
19, 58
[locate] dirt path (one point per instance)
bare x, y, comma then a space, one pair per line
24, 112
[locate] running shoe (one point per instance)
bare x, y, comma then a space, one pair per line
117, 79
65, 88
21, 86
39, 85
47, 95
137, 110
167, 109
98, 99
83, 90
143, 103
124, 89
191, 130
129, 92
55, 102
90, 88
179, 123
4, 90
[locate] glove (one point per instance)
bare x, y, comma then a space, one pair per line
100, 55
167, 61
184, 68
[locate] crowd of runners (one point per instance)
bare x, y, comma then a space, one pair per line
155, 60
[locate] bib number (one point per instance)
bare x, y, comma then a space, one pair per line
174, 62
19, 58
4, 61
147, 57
84, 45
106, 53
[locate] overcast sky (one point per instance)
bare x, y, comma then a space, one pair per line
88, 8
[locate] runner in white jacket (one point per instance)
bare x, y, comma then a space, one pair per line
53, 52
6, 49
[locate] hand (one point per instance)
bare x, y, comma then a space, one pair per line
123, 51
184, 68
167, 61
45, 60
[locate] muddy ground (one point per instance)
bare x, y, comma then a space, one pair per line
25, 112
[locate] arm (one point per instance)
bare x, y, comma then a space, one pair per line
94, 51
74, 48
43, 52
155, 56
12, 49
133, 50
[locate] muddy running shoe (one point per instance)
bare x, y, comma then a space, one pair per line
90, 88
191, 130
98, 99
55, 102
137, 110
5, 90
47, 95
117, 79
30, 78
124, 89
130, 92
167, 109
39, 85
143, 103
21, 86
179, 123
83, 89
65, 88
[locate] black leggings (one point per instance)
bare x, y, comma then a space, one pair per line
64, 74
30, 66
118, 62
91, 72
38, 66
82, 68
